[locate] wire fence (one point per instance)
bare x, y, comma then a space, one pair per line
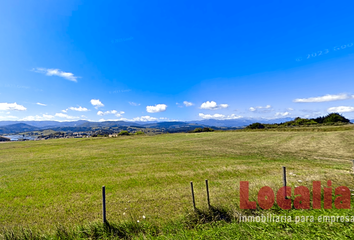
162, 202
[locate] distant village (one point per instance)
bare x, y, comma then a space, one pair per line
45, 137
59, 135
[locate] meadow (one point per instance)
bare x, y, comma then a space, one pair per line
52, 189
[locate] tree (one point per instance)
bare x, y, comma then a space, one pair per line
198, 130
335, 117
123, 133
207, 129
255, 126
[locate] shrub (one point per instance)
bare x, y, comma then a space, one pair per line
335, 117
255, 126
206, 129
198, 130
303, 121
124, 132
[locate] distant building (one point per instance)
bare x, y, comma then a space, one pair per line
4, 139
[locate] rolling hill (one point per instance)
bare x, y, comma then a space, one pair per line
16, 128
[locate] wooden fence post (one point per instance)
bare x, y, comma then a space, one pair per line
207, 190
193, 195
104, 204
284, 181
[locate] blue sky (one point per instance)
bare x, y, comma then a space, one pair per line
175, 60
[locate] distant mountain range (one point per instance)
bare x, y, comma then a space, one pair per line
18, 127
45, 124
11, 127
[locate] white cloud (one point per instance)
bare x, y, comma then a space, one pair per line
209, 116
118, 114
209, 105
168, 119
79, 109
261, 109
212, 105
218, 116
134, 104
282, 114
137, 119
108, 120
47, 116
56, 72
325, 98
340, 109
38, 118
8, 117
63, 115
188, 104
12, 106
41, 104
144, 119
97, 103
157, 108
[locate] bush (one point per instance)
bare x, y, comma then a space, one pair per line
198, 130
139, 133
255, 126
124, 132
206, 129
335, 117
330, 119
303, 121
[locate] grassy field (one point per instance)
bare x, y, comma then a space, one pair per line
57, 183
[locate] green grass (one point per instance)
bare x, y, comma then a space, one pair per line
46, 184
